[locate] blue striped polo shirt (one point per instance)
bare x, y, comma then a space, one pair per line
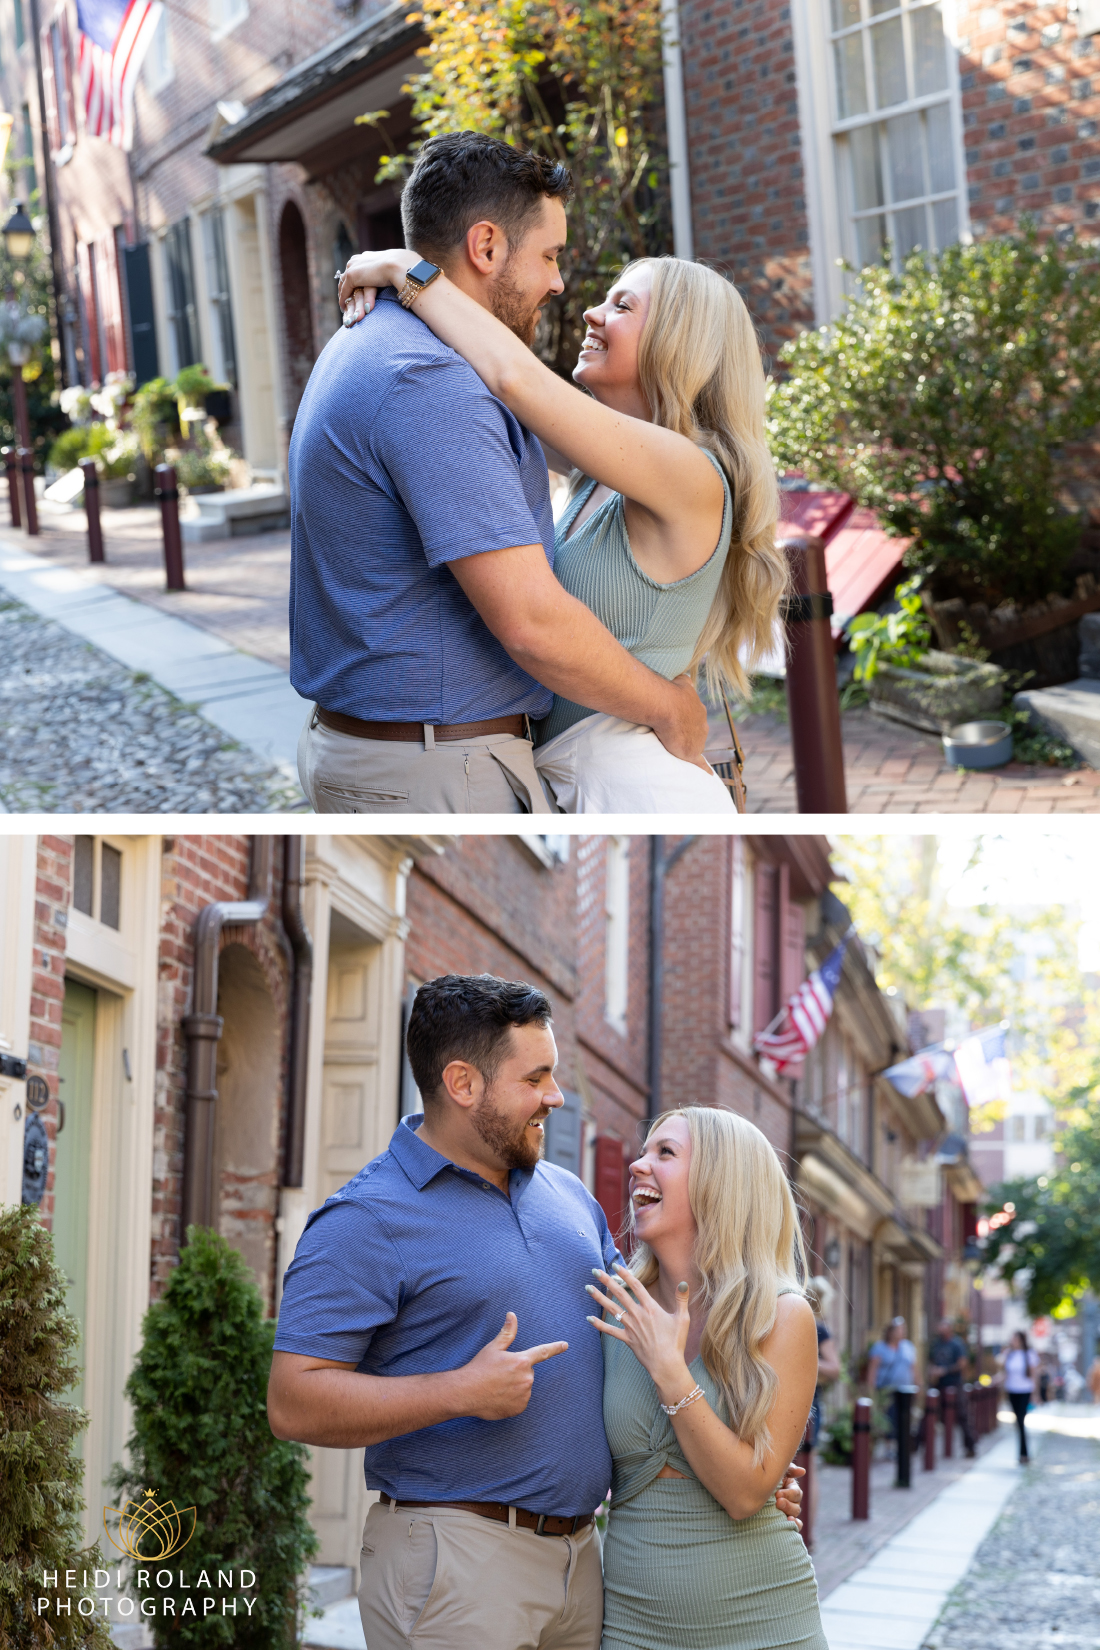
410, 1268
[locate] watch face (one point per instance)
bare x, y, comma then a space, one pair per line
423, 272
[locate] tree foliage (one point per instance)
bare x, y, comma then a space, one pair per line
40, 1473
942, 397
29, 280
201, 1437
1050, 1246
579, 81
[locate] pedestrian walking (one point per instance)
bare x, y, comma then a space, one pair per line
948, 1357
403, 1312
828, 1370
892, 1363
1020, 1364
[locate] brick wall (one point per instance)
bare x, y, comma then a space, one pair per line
52, 897
745, 156
197, 871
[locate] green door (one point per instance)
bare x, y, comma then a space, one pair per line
72, 1180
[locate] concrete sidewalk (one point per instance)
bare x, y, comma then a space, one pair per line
247, 697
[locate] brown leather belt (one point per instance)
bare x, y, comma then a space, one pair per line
541, 1523
413, 732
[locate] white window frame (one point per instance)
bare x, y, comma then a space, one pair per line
159, 70
830, 237
617, 933
225, 16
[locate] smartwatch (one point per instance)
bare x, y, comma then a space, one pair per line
418, 277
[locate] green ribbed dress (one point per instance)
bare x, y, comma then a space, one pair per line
679, 1572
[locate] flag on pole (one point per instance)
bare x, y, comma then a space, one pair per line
797, 1027
917, 1074
114, 37
983, 1066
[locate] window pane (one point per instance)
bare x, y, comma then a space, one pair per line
866, 168
910, 231
945, 219
851, 82
889, 60
929, 51
906, 161
870, 239
845, 13
879, 6
83, 849
110, 878
941, 156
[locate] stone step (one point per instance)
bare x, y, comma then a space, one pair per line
1071, 711
263, 507
329, 1583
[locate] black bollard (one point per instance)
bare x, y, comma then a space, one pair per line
903, 1400
11, 465
931, 1404
26, 465
91, 509
168, 494
861, 1458
812, 699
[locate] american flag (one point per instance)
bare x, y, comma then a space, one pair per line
114, 37
797, 1027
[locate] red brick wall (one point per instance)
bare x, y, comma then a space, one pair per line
1031, 111
196, 872
616, 1067
748, 208
52, 897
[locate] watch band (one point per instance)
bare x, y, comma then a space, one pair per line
421, 274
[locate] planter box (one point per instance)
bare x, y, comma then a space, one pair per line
1040, 642
116, 494
946, 691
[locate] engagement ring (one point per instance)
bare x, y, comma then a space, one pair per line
619, 1316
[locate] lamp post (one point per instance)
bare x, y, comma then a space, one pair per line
19, 241
19, 234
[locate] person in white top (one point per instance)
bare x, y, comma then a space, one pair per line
1020, 1364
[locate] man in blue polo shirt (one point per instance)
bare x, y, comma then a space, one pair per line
425, 619
435, 1312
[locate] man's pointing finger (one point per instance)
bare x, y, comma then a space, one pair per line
539, 1354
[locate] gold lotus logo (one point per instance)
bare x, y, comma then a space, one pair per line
149, 1530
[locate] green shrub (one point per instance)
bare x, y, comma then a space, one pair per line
941, 398
82, 441
155, 417
204, 464
40, 1476
193, 384
201, 1438
900, 638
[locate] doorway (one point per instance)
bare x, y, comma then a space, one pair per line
72, 1155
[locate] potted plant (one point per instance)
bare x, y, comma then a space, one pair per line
912, 682
945, 398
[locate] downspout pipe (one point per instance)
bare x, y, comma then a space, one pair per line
660, 864
203, 1028
301, 943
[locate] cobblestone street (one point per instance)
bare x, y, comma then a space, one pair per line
1035, 1580
80, 733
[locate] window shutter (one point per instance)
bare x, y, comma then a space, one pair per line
764, 971
90, 308
611, 1180
53, 128
564, 1130
792, 963
737, 928
110, 304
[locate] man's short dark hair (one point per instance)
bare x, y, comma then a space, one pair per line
468, 1017
462, 177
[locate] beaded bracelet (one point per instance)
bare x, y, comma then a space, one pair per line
693, 1397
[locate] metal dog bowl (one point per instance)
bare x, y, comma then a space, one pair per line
978, 745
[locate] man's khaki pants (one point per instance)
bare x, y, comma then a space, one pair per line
491, 774
436, 1578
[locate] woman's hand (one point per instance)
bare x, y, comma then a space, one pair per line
364, 274
788, 1497
656, 1337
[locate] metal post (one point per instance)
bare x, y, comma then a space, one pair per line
861, 1458
91, 509
949, 1422
904, 1398
11, 465
931, 1404
26, 464
168, 494
805, 1458
19, 404
812, 700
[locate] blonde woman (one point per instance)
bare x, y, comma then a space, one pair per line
668, 535
710, 1360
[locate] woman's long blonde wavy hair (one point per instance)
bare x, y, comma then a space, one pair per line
701, 373
748, 1247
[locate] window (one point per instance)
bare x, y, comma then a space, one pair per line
1018, 1128
181, 294
617, 933
1040, 1128
225, 15
159, 69
97, 881
893, 127
737, 928
217, 285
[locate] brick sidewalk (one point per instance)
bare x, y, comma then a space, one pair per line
893, 769
236, 588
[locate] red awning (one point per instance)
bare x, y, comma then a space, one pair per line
861, 561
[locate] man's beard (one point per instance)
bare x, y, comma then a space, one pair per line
512, 306
511, 1141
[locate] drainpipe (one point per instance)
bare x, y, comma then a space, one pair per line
660, 865
203, 1028
679, 171
301, 993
